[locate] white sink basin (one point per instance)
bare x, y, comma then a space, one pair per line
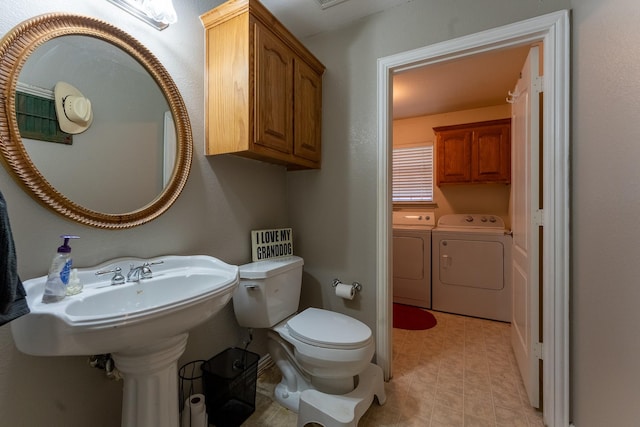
144, 325
183, 292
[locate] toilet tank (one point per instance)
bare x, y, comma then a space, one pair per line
269, 291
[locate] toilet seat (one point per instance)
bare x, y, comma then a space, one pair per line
328, 329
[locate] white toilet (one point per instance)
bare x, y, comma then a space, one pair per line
324, 357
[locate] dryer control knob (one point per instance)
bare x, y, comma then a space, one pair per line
483, 219
492, 219
469, 218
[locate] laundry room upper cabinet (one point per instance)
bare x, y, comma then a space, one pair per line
264, 88
474, 153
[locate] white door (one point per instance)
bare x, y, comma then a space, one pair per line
525, 188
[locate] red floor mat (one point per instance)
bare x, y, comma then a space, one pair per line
414, 318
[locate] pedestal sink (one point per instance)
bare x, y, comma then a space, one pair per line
144, 325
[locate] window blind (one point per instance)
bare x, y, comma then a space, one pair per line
413, 174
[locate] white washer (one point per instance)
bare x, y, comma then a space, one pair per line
471, 266
412, 257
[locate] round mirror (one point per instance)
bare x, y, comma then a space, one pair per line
131, 162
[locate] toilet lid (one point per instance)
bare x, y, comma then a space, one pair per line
328, 329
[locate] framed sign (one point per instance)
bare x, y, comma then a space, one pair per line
273, 243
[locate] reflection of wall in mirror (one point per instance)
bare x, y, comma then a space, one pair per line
116, 166
170, 148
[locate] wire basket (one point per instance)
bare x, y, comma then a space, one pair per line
190, 376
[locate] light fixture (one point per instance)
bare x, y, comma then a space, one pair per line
157, 13
325, 4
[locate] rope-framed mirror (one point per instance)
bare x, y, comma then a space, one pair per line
16, 47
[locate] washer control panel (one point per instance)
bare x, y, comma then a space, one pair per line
417, 218
471, 221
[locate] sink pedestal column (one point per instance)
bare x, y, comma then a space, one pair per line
151, 383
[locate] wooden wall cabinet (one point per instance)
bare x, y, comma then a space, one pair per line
474, 153
264, 88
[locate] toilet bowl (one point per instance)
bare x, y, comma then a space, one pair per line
317, 350
331, 363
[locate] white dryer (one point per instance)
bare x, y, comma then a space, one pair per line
412, 257
471, 266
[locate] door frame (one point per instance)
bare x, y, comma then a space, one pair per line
553, 30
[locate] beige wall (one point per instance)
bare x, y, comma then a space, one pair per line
605, 290
478, 198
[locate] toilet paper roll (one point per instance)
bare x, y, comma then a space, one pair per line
195, 412
345, 291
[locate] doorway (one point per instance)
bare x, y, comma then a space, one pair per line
553, 31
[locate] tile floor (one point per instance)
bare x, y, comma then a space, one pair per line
461, 373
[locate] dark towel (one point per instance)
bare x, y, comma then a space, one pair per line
13, 303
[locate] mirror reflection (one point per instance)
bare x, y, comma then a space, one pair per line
122, 162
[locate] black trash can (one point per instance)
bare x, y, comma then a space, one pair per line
229, 382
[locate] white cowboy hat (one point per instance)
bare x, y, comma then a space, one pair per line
72, 108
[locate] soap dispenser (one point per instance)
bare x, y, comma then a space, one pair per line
56, 287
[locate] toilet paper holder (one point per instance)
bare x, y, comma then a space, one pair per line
355, 285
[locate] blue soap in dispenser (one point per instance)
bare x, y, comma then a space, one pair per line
56, 287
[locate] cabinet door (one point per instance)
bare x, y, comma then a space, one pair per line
454, 156
307, 115
273, 92
491, 154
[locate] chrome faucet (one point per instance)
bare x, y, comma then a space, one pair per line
141, 272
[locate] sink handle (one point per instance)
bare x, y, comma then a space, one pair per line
145, 271
142, 271
117, 279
